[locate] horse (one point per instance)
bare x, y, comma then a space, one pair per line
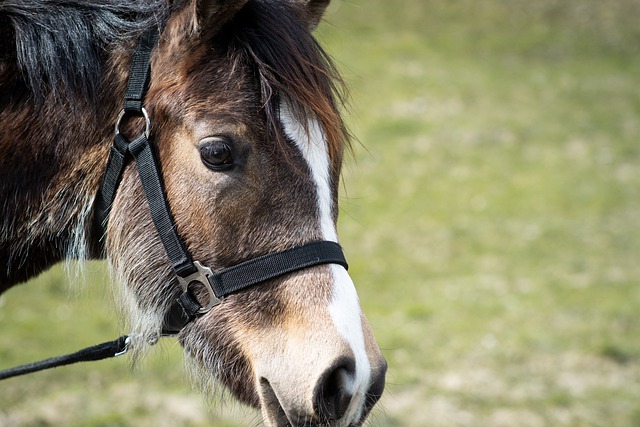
242, 108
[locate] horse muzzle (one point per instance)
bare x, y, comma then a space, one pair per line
337, 397
323, 367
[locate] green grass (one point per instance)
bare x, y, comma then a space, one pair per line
491, 217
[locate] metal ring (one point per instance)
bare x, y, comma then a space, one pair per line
147, 125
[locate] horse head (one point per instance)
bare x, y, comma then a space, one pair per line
247, 131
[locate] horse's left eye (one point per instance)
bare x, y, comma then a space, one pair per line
215, 153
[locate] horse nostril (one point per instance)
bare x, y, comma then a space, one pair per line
333, 393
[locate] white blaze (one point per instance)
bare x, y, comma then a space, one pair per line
311, 142
344, 307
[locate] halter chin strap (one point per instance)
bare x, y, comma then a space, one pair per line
189, 273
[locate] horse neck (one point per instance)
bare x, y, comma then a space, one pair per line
52, 156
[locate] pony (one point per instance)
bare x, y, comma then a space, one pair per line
245, 120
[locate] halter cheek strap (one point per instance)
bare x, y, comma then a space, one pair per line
189, 273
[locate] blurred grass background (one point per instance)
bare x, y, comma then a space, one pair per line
490, 216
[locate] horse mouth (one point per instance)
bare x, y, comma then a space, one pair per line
276, 416
272, 411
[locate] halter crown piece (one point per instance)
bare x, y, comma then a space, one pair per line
189, 273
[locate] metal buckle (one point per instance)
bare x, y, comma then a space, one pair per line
147, 124
201, 276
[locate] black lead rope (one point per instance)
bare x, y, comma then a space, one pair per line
90, 354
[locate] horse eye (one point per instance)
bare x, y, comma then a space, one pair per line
215, 153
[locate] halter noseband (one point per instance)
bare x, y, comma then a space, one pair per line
189, 273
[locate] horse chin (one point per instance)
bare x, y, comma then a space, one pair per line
215, 362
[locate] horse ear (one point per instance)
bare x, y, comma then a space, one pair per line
314, 10
213, 14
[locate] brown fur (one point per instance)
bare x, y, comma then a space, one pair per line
212, 74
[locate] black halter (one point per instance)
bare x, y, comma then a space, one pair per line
189, 273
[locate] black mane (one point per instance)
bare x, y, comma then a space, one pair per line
59, 45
